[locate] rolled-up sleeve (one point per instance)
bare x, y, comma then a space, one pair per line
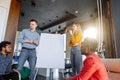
87, 71
9, 69
38, 39
75, 39
21, 37
9, 66
5, 66
2, 66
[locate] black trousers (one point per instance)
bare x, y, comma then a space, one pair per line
10, 76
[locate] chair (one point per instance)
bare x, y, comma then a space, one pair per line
25, 72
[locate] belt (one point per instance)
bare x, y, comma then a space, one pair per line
28, 48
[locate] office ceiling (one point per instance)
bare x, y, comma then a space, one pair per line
51, 13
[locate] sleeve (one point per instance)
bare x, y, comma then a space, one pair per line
76, 38
9, 66
21, 37
87, 71
2, 62
38, 38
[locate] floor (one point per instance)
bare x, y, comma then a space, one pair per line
40, 77
44, 78
60, 77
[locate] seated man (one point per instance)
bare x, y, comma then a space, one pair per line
6, 72
93, 68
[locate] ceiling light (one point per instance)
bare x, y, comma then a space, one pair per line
53, 0
76, 12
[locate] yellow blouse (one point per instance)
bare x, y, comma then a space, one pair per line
75, 39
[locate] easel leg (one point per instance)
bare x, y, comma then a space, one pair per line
51, 74
36, 73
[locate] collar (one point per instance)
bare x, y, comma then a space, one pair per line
2, 54
31, 31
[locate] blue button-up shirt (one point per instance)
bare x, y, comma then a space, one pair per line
5, 64
27, 34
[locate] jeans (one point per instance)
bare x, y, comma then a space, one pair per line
10, 76
76, 60
29, 55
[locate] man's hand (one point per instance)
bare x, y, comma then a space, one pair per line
28, 41
31, 41
35, 42
15, 70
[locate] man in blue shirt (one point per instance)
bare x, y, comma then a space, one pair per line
30, 40
6, 72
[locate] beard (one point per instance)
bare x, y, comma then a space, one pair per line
83, 53
8, 52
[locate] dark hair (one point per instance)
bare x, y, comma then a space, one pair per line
34, 20
91, 43
4, 44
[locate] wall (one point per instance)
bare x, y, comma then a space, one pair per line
4, 12
12, 24
116, 20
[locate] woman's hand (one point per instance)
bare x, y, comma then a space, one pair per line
70, 31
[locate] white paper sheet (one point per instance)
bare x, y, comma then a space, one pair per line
50, 52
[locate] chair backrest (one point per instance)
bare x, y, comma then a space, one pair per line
112, 65
25, 72
67, 61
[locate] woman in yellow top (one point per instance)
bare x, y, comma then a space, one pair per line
75, 42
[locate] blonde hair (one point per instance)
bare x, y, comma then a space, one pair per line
78, 26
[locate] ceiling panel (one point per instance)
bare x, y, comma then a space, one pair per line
50, 11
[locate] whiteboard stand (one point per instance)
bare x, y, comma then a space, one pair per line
36, 73
51, 48
51, 74
54, 74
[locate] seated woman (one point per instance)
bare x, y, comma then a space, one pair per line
6, 72
93, 68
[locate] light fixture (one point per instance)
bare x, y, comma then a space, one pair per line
59, 27
90, 32
56, 16
76, 11
53, 0
22, 14
49, 30
33, 4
